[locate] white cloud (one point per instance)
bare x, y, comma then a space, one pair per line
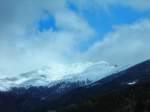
140, 5
127, 45
24, 48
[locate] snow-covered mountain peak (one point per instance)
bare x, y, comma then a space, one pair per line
94, 72
60, 71
47, 75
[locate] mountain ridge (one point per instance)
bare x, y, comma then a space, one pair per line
45, 99
47, 76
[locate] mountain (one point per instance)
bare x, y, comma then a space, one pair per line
50, 76
118, 91
39, 88
131, 83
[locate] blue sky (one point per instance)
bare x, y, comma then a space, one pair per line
102, 21
37, 33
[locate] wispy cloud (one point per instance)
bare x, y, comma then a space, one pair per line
107, 4
24, 47
126, 45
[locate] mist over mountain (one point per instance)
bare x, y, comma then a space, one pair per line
47, 76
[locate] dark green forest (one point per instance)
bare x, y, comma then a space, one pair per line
133, 99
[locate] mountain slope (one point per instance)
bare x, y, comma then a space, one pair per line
132, 99
136, 75
104, 92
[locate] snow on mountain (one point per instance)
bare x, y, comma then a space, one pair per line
96, 71
48, 76
132, 82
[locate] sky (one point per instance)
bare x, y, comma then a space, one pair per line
37, 33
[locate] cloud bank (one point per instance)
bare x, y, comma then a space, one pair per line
23, 47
